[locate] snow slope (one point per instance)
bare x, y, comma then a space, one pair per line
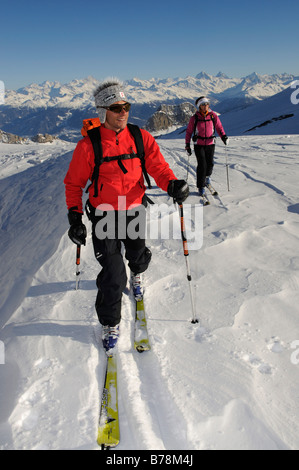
230, 382
278, 114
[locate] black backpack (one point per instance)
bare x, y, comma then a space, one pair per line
195, 137
95, 137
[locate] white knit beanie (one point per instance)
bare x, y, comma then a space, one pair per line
201, 100
108, 92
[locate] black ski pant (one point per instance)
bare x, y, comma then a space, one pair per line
205, 163
110, 252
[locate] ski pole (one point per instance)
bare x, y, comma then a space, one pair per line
188, 168
227, 178
78, 253
186, 254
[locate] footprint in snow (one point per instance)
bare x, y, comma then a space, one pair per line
198, 333
257, 363
275, 345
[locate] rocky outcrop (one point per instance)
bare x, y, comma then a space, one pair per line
43, 138
170, 115
7, 138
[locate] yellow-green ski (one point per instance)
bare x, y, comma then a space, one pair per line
141, 340
108, 431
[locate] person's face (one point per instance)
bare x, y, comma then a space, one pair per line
116, 121
204, 108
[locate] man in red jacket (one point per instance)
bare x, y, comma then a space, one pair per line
120, 191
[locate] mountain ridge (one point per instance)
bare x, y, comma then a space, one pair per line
79, 92
59, 109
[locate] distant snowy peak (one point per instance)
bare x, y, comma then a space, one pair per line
203, 75
263, 86
79, 93
218, 88
221, 75
76, 94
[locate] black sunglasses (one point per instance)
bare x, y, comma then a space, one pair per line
117, 108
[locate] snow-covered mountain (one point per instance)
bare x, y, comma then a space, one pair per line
78, 93
278, 114
59, 109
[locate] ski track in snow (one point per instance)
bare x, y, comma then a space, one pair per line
225, 383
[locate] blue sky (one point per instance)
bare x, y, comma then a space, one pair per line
64, 40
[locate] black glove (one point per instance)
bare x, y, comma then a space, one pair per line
77, 231
179, 190
188, 149
224, 139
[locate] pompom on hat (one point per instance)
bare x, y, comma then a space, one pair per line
108, 92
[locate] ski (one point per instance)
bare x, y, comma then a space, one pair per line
212, 189
205, 200
108, 430
141, 340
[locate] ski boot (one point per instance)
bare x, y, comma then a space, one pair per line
136, 283
110, 336
204, 197
208, 185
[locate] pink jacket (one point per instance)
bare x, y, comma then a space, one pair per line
205, 128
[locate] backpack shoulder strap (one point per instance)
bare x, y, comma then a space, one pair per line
194, 135
136, 133
213, 121
95, 136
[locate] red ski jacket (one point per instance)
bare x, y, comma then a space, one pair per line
113, 181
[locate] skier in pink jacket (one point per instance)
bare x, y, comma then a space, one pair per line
201, 129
